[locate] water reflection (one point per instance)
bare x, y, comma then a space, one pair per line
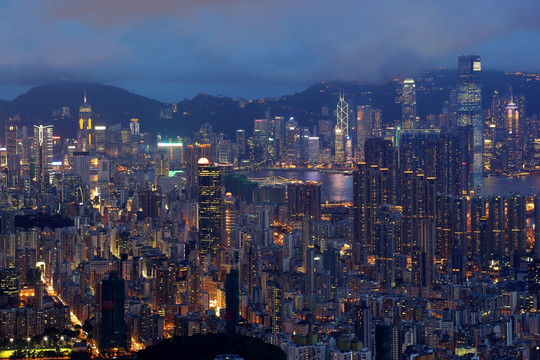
335, 187
338, 187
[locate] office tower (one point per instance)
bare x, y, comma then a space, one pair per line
343, 115
362, 323
112, 325
387, 232
377, 124
225, 152
259, 147
229, 221
408, 105
232, 296
7, 218
43, 147
11, 139
135, 128
304, 199
81, 166
240, 144
100, 139
514, 138
386, 342
303, 144
14, 169
85, 138
339, 150
291, 144
149, 204
313, 150
470, 123
161, 165
364, 123
9, 288
165, 277
309, 266
195, 152
210, 208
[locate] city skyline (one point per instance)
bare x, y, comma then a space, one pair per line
172, 50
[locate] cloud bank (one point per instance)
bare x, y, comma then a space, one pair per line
172, 49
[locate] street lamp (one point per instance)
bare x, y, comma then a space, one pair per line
28, 340
45, 338
11, 341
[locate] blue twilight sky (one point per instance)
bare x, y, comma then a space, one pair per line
173, 49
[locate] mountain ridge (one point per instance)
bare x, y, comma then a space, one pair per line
112, 105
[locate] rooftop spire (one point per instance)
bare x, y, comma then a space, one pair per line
85, 96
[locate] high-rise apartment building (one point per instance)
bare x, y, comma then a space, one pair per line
304, 199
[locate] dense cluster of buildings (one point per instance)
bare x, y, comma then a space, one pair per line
162, 237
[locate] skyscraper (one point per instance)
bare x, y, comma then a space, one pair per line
210, 208
85, 126
232, 300
339, 151
43, 146
112, 324
11, 139
364, 125
408, 105
470, 123
343, 115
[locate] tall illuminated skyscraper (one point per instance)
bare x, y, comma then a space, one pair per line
364, 125
343, 115
11, 139
210, 208
470, 123
85, 126
43, 147
408, 105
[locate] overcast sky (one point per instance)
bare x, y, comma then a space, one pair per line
172, 49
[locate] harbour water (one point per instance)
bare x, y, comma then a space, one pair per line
338, 187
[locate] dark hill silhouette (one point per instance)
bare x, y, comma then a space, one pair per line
206, 347
110, 105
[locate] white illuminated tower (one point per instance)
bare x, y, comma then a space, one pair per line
408, 105
343, 115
